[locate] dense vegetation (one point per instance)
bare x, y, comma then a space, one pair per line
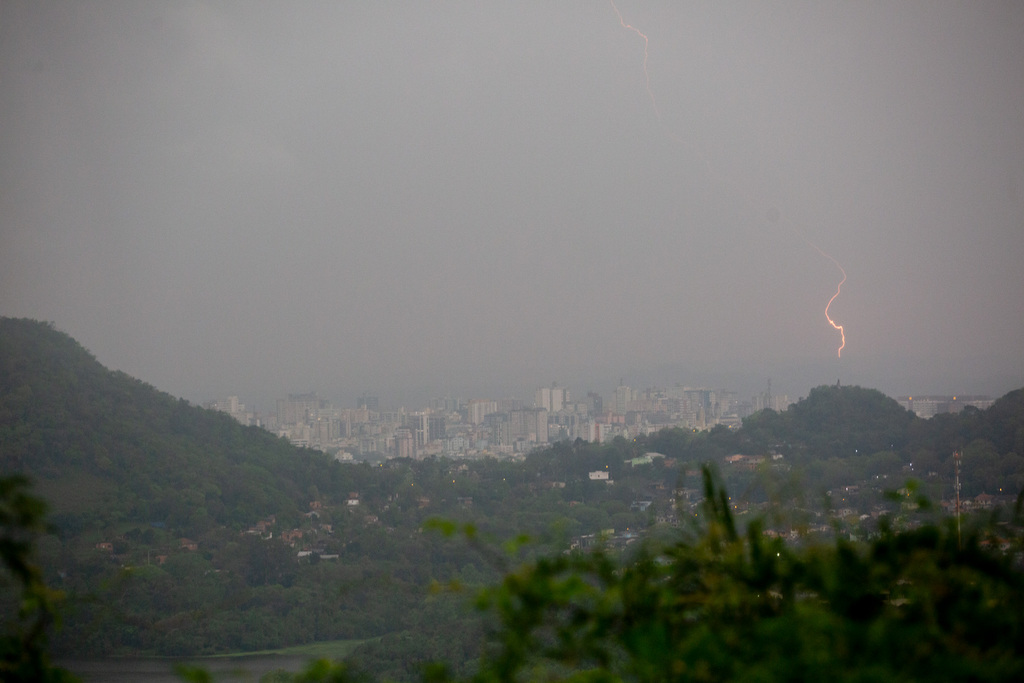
717, 605
177, 529
31, 606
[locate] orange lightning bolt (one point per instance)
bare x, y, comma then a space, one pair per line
842, 335
647, 76
725, 181
839, 287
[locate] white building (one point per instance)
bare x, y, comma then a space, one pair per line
551, 399
478, 408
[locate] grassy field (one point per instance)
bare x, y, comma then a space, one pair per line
332, 649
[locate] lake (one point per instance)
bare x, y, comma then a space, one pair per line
161, 670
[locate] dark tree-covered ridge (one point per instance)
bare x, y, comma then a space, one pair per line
150, 456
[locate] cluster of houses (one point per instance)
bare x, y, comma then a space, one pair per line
307, 541
184, 544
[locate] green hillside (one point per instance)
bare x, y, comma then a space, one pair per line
180, 532
105, 448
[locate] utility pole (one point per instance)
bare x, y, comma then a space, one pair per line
956, 470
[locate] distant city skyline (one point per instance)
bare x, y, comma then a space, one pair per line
745, 384
924, 405
484, 427
510, 427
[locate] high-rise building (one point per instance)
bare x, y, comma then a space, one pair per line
479, 408
500, 427
299, 409
551, 399
530, 424
623, 397
436, 428
426, 427
600, 432
405, 443
703, 402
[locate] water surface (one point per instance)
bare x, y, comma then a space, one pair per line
247, 669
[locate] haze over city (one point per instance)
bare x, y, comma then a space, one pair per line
476, 199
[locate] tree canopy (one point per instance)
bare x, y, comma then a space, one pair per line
717, 605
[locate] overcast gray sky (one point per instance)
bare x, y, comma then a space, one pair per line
476, 198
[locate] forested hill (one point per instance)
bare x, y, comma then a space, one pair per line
835, 421
854, 423
104, 447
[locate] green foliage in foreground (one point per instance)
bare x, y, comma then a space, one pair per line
911, 605
23, 652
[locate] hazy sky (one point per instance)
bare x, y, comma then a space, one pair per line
477, 198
